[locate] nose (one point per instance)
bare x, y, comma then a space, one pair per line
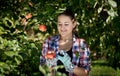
62, 27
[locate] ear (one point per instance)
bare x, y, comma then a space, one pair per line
74, 24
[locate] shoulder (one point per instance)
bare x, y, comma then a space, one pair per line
78, 39
82, 42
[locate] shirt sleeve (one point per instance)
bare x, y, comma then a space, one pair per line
43, 52
84, 55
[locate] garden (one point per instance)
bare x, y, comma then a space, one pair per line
25, 24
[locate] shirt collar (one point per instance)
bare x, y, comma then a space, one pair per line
58, 37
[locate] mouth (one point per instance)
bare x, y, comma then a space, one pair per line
62, 32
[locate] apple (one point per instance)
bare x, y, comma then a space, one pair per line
29, 15
42, 28
50, 54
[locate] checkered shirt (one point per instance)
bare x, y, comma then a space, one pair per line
81, 51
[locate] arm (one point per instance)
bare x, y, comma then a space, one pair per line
43, 52
83, 67
48, 54
80, 71
84, 60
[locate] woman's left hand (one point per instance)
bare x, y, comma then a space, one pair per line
66, 60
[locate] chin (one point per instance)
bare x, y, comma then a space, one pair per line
63, 35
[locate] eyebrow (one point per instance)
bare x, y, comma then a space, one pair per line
65, 22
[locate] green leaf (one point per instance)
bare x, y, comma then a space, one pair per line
4, 65
1, 30
6, 20
100, 9
42, 70
112, 13
112, 3
77, 54
17, 60
11, 53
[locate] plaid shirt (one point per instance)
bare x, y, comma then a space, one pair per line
80, 49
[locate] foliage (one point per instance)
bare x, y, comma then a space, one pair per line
18, 53
47, 72
118, 72
102, 71
21, 40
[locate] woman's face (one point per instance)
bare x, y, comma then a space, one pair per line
65, 25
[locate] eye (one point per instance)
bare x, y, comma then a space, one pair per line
59, 24
66, 24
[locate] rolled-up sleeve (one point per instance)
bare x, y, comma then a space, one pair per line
43, 52
84, 57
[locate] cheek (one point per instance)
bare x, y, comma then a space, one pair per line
73, 27
70, 28
58, 29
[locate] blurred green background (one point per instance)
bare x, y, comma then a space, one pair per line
24, 24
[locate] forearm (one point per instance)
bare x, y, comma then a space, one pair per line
80, 71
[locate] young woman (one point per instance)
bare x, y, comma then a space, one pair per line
70, 51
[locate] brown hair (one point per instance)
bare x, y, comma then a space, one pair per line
69, 13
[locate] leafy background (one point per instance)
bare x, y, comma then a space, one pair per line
21, 38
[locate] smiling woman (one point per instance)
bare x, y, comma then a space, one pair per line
67, 44
66, 24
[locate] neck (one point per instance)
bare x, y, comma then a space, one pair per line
67, 38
